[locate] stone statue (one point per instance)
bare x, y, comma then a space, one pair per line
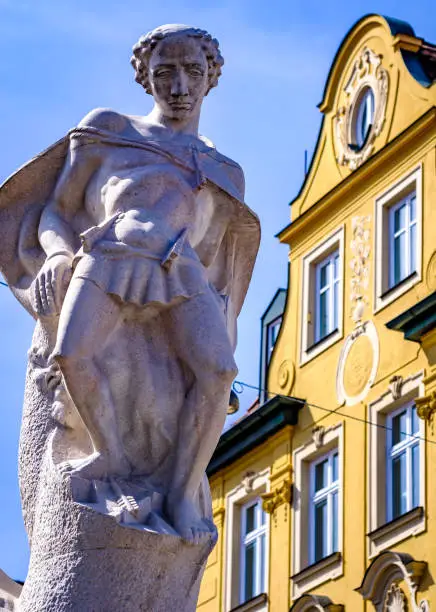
130, 243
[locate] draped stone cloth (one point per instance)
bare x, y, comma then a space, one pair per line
150, 391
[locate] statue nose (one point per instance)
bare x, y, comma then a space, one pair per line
179, 86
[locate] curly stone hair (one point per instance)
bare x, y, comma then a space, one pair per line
143, 49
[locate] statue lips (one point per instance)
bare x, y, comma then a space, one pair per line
180, 106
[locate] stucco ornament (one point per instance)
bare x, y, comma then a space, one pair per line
367, 72
315, 603
430, 276
395, 600
359, 264
286, 376
130, 243
357, 364
380, 584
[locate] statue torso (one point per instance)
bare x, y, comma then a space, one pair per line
159, 193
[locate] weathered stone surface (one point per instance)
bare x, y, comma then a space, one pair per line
130, 243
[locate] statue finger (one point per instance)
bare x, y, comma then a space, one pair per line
57, 290
43, 295
36, 298
49, 282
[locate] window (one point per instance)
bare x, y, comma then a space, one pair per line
322, 293
402, 239
402, 461
326, 296
364, 117
324, 507
253, 550
317, 510
396, 465
398, 239
246, 550
272, 334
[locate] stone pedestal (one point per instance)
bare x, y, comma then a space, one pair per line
82, 561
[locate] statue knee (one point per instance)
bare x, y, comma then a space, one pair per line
222, 376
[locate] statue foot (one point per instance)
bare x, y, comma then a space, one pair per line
186, 520
97, 466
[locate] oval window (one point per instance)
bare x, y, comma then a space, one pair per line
364, 117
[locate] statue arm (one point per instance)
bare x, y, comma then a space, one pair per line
55, 232
55, 229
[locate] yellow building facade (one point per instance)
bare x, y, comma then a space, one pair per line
325, 493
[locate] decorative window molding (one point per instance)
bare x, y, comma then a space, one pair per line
306, 577
315, 603
380, 582
251, 487
366, 94
280, 495
311, 342
383, 532
386, 291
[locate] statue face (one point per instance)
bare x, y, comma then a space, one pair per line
178, 76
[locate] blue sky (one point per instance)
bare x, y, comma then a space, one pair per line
61, 59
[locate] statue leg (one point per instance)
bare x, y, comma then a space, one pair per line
198, 330
88, 318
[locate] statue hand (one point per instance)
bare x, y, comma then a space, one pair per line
51, 284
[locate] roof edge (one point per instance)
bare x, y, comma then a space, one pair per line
251, 431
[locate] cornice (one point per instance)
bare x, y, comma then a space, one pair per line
424, 126
253, 429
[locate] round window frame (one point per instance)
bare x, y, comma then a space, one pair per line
352, 136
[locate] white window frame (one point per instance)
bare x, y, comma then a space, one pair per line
329, 288
384, 293
305, 575
394, 451
405, 201
382, 533
277, 322
366, 102
310, 347
246, 540
326, 494
236, 499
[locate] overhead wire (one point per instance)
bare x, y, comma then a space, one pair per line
323, 408
329, 410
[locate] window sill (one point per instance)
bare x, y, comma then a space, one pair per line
258, 604
320, 346
391, 294
326, 569
321, 341
400, 284
409, 524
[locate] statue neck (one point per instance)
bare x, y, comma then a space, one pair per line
188, 127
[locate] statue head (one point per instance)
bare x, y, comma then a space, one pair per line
178, 65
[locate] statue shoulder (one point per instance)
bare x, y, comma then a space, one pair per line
105, 119
232, 169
